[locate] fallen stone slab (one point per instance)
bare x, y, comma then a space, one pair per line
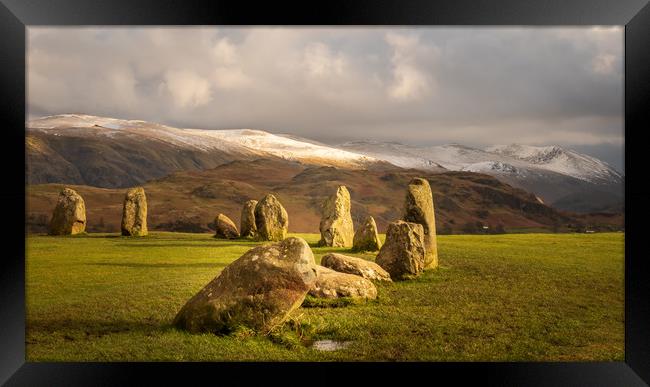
353, 265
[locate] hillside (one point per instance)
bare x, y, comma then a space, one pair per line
189, 200
113, 153
563, 178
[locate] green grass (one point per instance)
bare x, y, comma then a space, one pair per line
532, 297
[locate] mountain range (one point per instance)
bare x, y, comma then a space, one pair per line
107, 152
561, 177
110, 153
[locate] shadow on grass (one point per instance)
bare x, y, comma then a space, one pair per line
95, 327
199, 244
333, 249
77, 236
209, 265
314, 302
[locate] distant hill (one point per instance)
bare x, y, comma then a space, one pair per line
113, 153
562, 177
108, 153
189, 200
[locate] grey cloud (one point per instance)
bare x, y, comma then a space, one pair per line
477, 86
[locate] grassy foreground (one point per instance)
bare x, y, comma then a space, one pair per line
527, 297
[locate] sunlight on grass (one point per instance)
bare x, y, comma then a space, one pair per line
529, 297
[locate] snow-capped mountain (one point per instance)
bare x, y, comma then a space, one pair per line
512, 159
561, 160
403, 156
237, 141
566, 178
107, 152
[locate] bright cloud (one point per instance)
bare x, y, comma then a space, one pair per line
410, 81
604, 63
231, 78
225, 52
187, 89
320, 61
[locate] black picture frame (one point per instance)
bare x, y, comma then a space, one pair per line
16, 15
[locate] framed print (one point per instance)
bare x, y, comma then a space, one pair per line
362, 187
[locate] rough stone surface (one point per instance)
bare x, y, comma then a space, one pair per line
271, 219
247, 225
333, 284
419, 209
402, 255
336, 228
366, 237
353, 265
258, 290
225, 228
134, 213
69, 215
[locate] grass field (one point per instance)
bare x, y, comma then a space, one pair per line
526, 297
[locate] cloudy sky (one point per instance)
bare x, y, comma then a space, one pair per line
474, 86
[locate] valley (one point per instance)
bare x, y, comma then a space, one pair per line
190, 175
189, 200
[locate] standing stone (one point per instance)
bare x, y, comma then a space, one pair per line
419, 209
271, 219
225, 228
134, 213
69, 216
336, 228
334, 284
353, 265
366, 237
258, 290
247, 224
402, 255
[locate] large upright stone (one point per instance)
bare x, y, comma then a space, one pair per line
271, 219
336, 228
134, 213
258, 290
419, 209
225, 228
247, 225
402, 255
69, 215
366, 237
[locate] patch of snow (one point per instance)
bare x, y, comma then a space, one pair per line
241, 141
490, 166
279, 146
560, 160
517, 160
112, 125
399, 155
